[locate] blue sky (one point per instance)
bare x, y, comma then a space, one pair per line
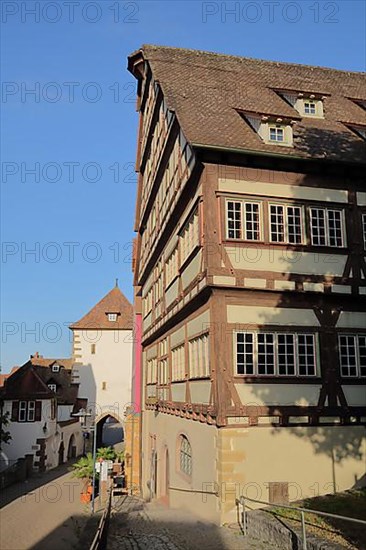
68, 148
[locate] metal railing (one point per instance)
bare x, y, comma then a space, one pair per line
100, 539
242, 501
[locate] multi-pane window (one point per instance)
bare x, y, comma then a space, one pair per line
151, 371
251, 221
55, 368
243, 220
285, 224
189, 237
22, 411
163, 374
265, 353
199, 357
306, 354
158, 285
234, 219
171, 267
178, 363
185, 456
245, 353
52, 387
286, 354
309, 108
27, 411
275, 354
276, 134
352, 353
326, 227
148, 302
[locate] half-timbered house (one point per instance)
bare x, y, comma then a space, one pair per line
250, 277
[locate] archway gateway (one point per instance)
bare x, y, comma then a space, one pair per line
71, 449
110, 431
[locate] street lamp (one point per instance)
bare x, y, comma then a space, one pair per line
82, 415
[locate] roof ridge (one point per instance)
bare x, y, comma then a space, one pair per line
255, 59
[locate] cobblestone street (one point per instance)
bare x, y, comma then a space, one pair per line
135, 526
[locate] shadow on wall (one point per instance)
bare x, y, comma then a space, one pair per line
87, 386
320, 312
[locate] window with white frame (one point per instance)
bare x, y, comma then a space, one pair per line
22, 411
276, 134
171, 267
275, 354
178, 363
158, 285
352, 355
55, 368
198, 349
309, 107
243, 220
189, 237
27, 411
327, 227
185, 456
112, 317
147, 302
285, 224
52, 387
163, 372
151, 371
163, 347
266, 353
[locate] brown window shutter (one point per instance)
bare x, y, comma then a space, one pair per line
38, 414
15, 411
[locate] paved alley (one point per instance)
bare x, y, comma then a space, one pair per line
44, 513
138, 526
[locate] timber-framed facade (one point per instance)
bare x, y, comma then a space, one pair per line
250, 277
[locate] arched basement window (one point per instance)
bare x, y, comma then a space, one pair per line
185, 456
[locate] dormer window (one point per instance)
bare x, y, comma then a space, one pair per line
277, 134
55, 368
274, 131
359, 130
307, 105
309, 108
52, 387
112, 317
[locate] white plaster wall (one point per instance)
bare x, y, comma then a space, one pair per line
111, 363
63, 434
25, 434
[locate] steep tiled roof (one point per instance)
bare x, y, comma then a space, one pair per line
113, 302
207, 91
48, 362
4, 377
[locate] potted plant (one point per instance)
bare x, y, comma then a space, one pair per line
83, 469
106, 453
